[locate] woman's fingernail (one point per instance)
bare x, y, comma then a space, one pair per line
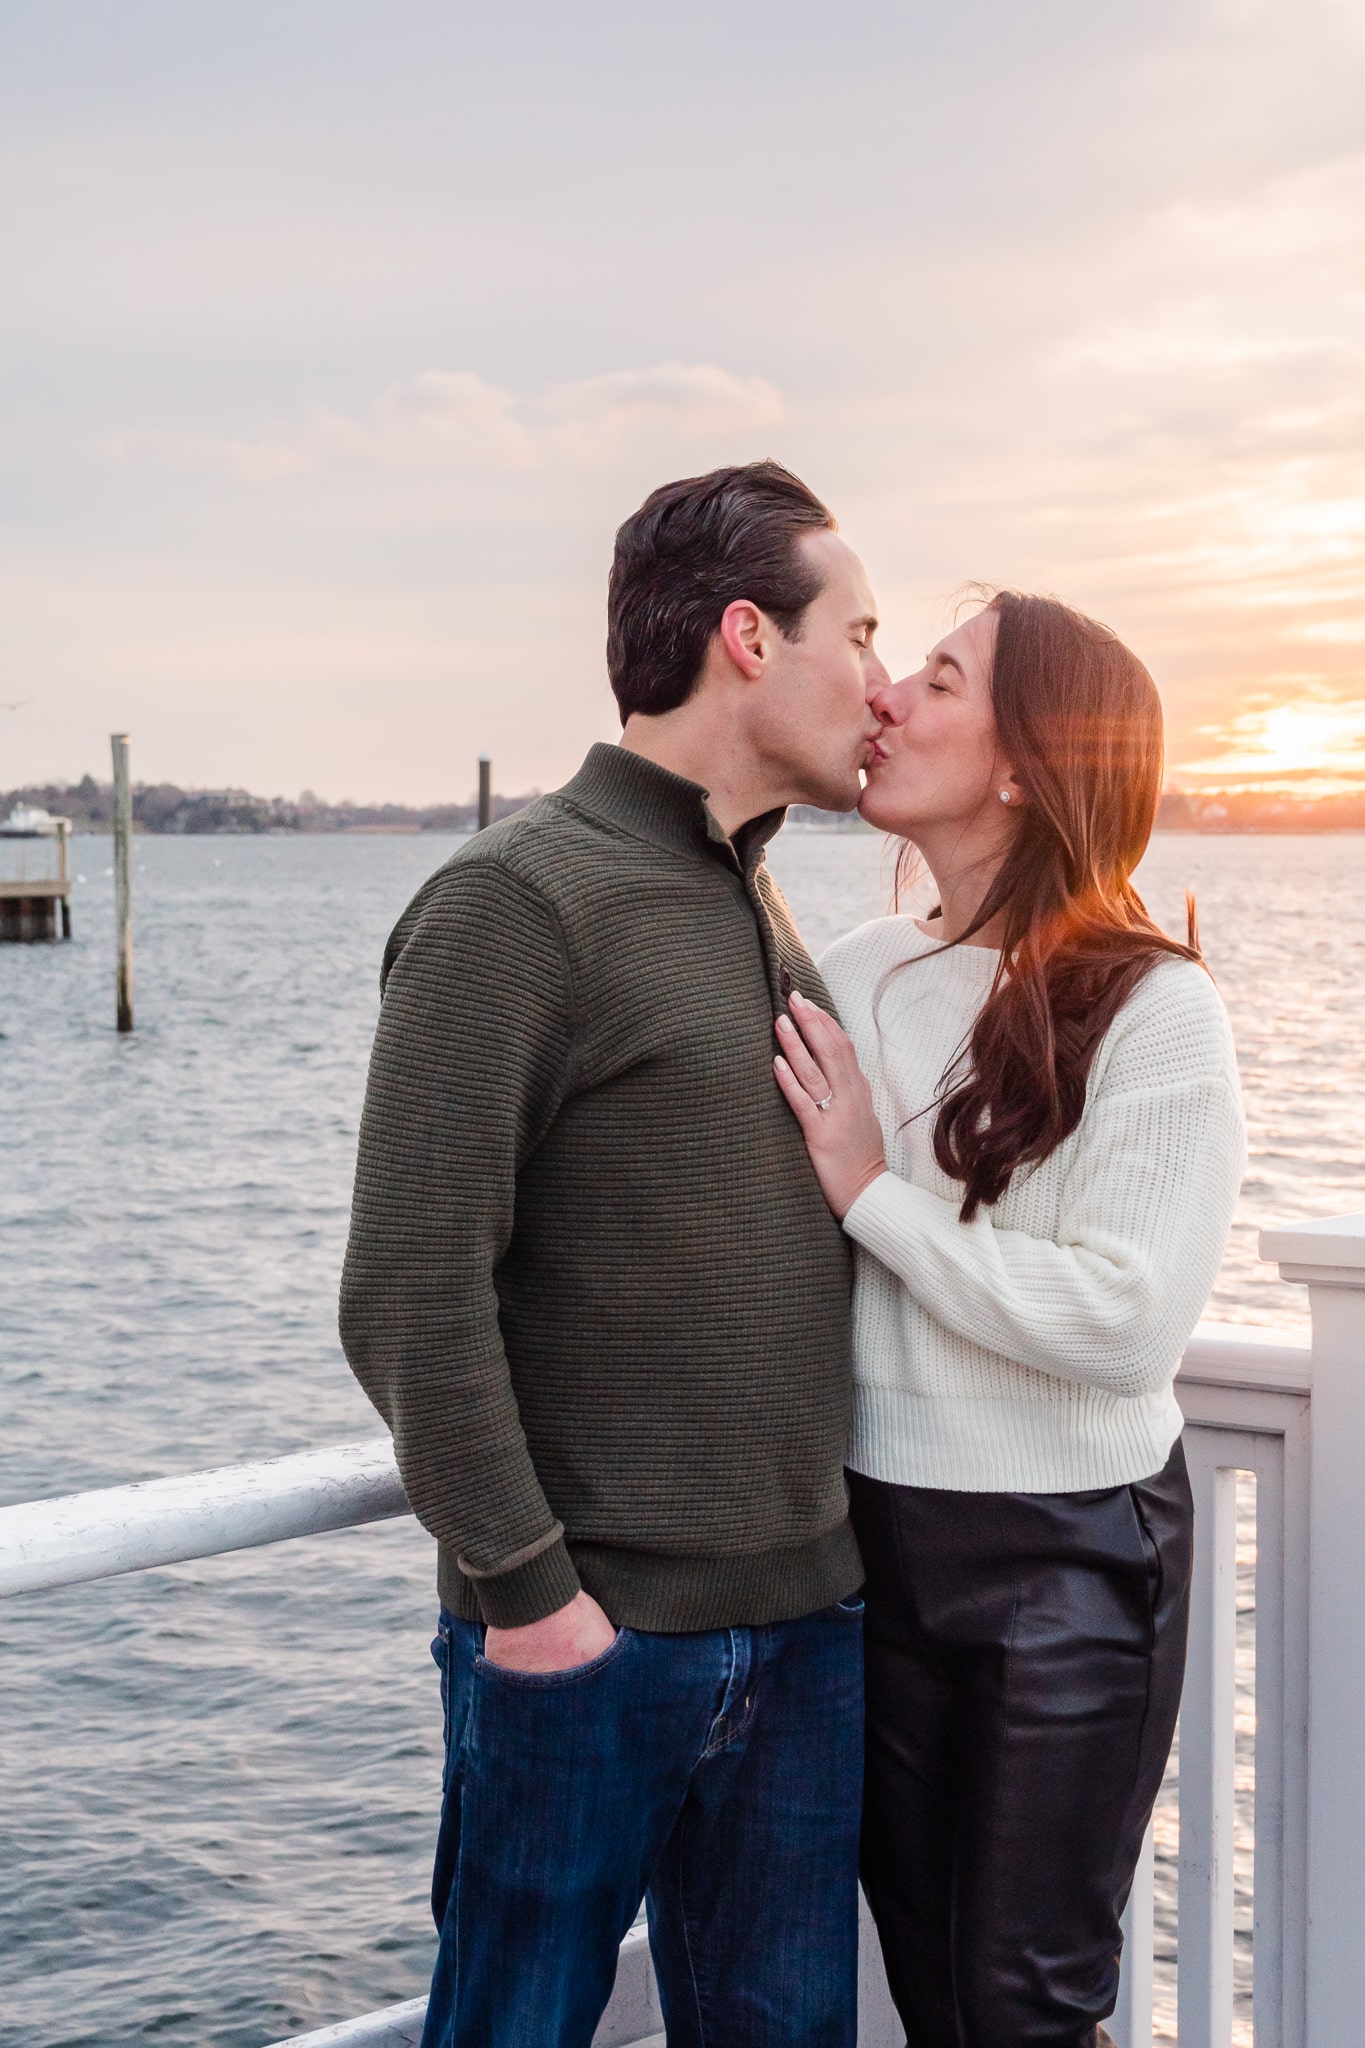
780, 1062
785, 1024
796, 996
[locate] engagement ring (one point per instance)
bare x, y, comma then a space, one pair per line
827, 1101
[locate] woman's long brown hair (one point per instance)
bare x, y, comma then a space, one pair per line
1079, 719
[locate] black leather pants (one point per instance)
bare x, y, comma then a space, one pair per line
1025, 1654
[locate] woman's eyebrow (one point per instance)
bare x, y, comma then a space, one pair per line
948, 661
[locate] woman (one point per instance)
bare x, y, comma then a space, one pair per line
1037, 1159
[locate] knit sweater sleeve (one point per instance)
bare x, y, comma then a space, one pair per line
466, 1074
1146, 1202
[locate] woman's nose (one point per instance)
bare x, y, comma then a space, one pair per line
889, 702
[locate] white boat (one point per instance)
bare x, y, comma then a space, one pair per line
30, 821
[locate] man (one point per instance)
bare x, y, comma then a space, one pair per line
593, 1288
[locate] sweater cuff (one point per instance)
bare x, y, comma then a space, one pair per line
530, 1591
883, 1220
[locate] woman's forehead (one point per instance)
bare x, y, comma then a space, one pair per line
970, 645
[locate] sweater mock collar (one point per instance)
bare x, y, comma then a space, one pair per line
665, 808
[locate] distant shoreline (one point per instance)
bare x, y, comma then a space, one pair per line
165, 809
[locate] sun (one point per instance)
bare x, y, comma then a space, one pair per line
1297, 736
1310, 745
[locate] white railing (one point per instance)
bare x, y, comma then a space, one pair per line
1247, 1409
1292, 1416
83, 1536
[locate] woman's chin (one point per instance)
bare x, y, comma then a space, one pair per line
874, 810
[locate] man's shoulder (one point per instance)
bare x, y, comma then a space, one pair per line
548, 849
519, 846
487, 887
536, 867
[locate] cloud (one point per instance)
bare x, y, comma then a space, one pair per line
454, 419
587, 419
440, 418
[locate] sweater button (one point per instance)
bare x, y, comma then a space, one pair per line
785, 983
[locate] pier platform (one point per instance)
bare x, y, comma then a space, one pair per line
35, 879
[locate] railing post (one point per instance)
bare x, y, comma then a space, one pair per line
1208, 1721
1330, 1258
1131, 2025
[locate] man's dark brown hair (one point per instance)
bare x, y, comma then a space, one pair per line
693, 548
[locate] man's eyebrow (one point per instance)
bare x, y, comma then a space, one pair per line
869, 619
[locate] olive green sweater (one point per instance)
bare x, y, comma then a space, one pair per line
592, 1285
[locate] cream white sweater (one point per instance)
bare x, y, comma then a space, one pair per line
1033, 1349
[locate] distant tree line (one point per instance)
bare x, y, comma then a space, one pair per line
165, 807
1243, 810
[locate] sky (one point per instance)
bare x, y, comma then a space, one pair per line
337, 338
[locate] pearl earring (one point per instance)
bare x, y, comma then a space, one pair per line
1006, 796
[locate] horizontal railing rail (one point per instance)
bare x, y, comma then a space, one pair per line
82, 1536
76, 1537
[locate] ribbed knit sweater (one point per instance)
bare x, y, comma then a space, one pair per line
592, 1285
1033, 1350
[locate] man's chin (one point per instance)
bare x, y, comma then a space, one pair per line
835, 796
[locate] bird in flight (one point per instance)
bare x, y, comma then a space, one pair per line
17, 706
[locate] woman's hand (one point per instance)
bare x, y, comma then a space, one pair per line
818, 1072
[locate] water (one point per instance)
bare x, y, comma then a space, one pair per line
219, 1782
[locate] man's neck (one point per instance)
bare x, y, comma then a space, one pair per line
737, 786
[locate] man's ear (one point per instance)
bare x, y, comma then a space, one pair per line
744, 634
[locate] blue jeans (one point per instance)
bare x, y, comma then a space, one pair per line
717, 1775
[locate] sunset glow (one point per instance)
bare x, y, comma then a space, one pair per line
1308, 748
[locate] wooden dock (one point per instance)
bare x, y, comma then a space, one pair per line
35, 905
35, 910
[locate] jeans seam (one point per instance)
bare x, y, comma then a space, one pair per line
684, 1923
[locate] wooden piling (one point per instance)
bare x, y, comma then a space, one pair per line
123, 879
485, 792
61, 909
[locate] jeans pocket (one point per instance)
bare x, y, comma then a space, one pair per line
851, 1608
539, 1681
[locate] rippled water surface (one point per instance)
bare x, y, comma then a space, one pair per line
218, 1783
